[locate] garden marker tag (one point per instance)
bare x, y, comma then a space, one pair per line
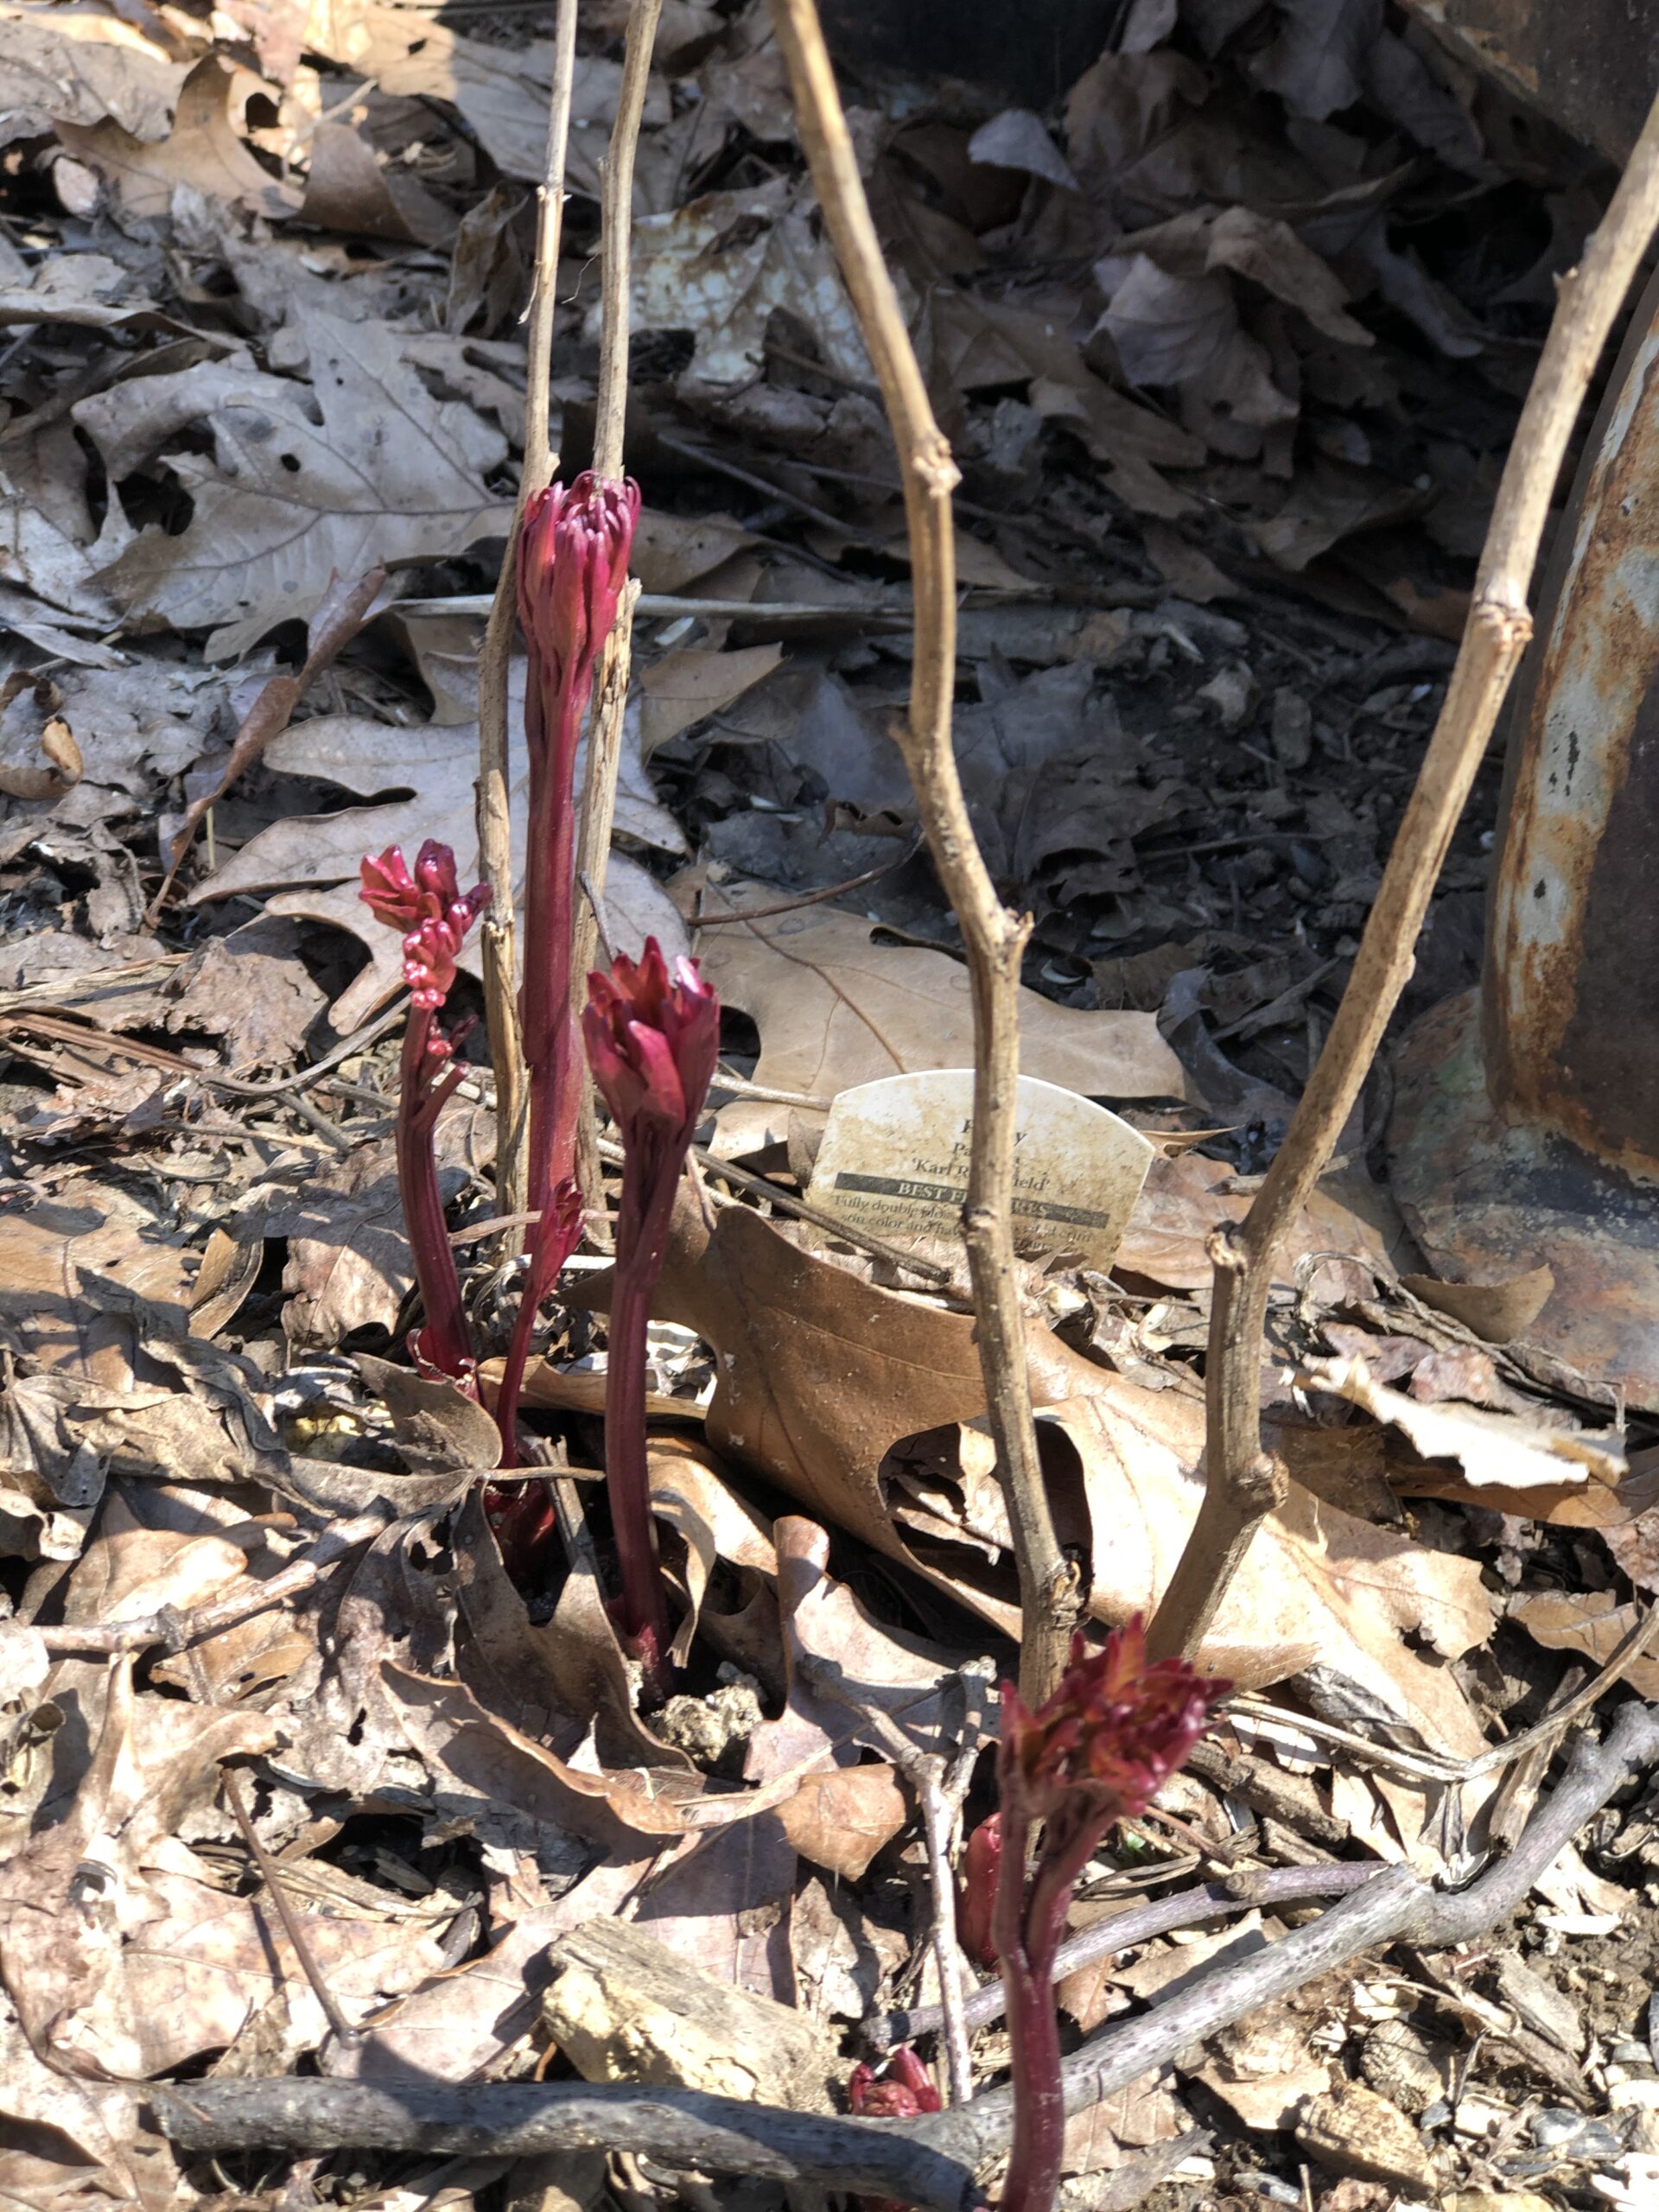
894, 1162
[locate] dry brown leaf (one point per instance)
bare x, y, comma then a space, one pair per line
459, 2024
1497, 1312
501, 92
347, 189
1591, 1622
721, 265
683, 687
41, 1304
820, 1375
448, 1722
670, 551
205, 151
74, 2145
286, 502
1186, 1196
72, 66
834, 1009
348, 1259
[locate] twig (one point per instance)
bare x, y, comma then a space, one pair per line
605, 731
686, 2129
703, 921
1187, 1909
1244, 1483
929, 1270
292, 1925
940, 1786
993, 939
177, 1629
494, 790
679, 2128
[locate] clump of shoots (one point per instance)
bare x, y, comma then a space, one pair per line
1096, 1752
652, 1042
902, 2093
433, 915
573, 563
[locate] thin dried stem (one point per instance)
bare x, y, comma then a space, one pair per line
1243, 1482
611, 701
494, 789
993, 939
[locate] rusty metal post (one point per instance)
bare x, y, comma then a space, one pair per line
1526, 1130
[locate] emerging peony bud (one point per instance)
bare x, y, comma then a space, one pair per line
435, 915
1115, 1729
573, 564
652, 1045
1098, 1751
902, 2093
430, 910
981, 1858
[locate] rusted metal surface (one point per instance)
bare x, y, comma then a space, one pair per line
1572, 985
1488, 1199
1591, 66
1526, 1125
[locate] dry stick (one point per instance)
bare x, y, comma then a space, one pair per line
611, 701
993, 939
687, 2129
1244, 1483
1138, 1924
494, 789
275, 1883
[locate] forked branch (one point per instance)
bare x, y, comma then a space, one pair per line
993, 939
1244, 1483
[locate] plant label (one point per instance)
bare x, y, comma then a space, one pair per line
894, 1162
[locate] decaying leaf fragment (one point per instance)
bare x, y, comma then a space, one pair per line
1494, 1449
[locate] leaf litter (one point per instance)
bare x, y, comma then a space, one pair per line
1227, 341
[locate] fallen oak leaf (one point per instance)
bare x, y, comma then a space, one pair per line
644, 1801
287, 501
337, 618
436, 764
205, 151
834, 1009
820, 1377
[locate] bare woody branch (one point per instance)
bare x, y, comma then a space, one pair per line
993, 938
1244, 1483
494, 800
610, 698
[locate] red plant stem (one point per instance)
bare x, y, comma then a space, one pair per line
445, 1341
1028, 1921
549, 1029
643, 1219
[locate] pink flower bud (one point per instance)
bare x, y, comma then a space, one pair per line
573, 563
901, 2093
652, 1045
1115, 1728
430, 910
